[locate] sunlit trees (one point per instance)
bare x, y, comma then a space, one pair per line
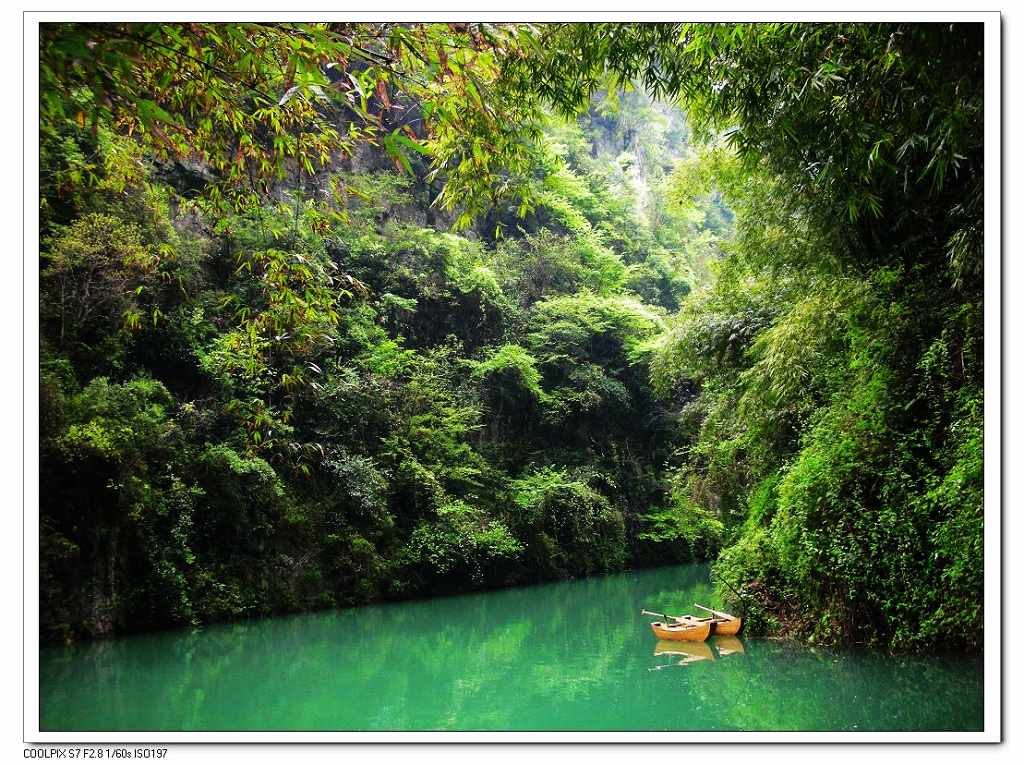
834, 410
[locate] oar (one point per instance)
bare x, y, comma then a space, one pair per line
667, 617
721, 614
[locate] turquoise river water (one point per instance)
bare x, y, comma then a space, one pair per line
564, 656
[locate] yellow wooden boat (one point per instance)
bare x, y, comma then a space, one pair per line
690, 630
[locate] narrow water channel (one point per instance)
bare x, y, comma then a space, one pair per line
565, 656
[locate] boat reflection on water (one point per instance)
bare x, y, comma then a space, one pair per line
727, 645
683, 653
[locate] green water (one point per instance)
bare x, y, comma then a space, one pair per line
565, 656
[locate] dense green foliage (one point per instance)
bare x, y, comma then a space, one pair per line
377, 323
838, 430
278, 407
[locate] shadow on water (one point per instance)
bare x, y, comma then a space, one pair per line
563, 656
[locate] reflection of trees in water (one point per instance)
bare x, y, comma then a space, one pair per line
786, 686
570, 655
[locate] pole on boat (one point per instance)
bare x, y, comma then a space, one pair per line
669, 618
721, 614
645, 612
742, 599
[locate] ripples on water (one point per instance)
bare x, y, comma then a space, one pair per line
564, 656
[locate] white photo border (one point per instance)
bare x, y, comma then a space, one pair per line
993, 338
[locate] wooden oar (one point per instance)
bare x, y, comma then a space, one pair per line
720, 614
645, 612
668, 617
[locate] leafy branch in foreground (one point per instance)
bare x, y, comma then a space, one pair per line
250, 105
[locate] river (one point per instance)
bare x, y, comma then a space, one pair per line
563, 656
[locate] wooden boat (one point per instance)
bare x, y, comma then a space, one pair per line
721, 622
689, 630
